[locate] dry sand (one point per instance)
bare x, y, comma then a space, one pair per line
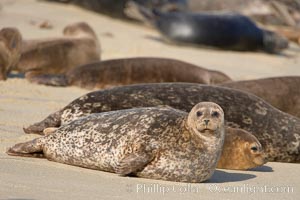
22, 103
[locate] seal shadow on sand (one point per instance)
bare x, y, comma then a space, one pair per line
262, 169
224, 177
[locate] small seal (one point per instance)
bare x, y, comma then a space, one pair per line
10, 50
241, 151
278, 132
78, 46
118, 72
221, 30
157, 143
281, 92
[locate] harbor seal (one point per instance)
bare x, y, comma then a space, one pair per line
156, 143
281, 92
221, 30
78, 46
10, 50
116, 8
117, 72
241, 151
278, 132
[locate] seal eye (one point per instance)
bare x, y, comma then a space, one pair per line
215, 114
199, 114
254, 148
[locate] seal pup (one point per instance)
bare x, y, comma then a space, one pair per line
10, 50
278, 132
117, 72
221, 30
78, 46
281, 92
241, 151
157, 143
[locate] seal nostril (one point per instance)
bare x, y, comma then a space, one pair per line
206, 121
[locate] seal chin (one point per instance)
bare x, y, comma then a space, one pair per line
260, 160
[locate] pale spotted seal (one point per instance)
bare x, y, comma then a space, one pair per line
221, 30
10, 50
117, 72
281, 92
157, 143
278, 132
241, 151
78, 46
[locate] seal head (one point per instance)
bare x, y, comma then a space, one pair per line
241, 151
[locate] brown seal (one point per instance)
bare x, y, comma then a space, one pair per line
117, 72
281, 92
10, 50
241, 151
157, 143
78, 46
278, 132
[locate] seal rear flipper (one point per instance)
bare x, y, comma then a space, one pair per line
48, 79
53, 120
133, 163
32, 148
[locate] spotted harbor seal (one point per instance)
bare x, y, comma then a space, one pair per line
278, 132
241, 151
157, 143
222, 30
281, 92
10, 50
110, 73
78, 46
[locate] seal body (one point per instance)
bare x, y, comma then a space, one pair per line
278, 132
281, 92
111, 73
116, 8
156, 143
222, 30
10, 50
78, 46
241, 151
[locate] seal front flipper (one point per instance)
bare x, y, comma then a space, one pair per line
33, 148
134, 162
47, 79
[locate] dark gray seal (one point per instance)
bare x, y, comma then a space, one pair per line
156, 143
222, 30
116, 8
281, 92
117, 72
10, 50
278, 132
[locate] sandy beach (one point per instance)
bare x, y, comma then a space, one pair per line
23, 103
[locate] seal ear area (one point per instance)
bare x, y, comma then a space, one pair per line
133, 162
33, 148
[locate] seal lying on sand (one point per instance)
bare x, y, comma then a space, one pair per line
221, 30
79, 46
116, 8
110, 73
281, 92
10, 50
278, 132
156, 143
241, 151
